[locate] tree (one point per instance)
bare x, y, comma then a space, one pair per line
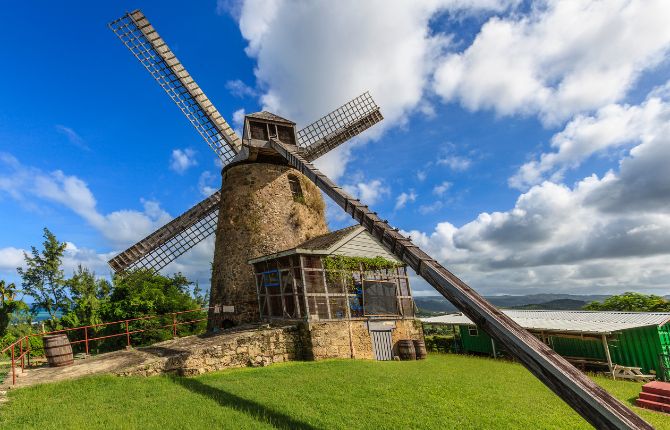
43, 278
631, 302
8, 304
87, 294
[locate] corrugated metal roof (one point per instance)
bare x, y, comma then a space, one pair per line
596, 322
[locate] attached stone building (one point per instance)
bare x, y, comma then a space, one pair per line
350, 297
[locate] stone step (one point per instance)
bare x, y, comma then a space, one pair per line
655, 398
657, 387
3, 393
648, 404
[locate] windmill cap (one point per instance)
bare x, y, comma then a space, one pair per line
269, 116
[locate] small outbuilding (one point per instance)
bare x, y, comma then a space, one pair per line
352, 295
586, 338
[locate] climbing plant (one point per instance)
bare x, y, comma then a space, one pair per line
340, 268
354, 264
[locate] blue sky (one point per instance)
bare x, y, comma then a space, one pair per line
524, 157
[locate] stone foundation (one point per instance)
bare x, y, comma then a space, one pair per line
351, 339
194, 355
264, 345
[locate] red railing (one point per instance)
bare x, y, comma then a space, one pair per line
25, 352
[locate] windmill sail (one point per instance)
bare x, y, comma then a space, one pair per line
143, 41
576, 389
338, 126
173, 239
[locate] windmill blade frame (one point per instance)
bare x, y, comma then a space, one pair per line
141, 38
338, 126
587, 398
164, 245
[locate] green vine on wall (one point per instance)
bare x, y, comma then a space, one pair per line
353, 264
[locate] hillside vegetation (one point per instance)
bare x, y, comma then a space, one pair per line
444, 391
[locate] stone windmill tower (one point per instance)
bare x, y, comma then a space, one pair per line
264, 205
269, 201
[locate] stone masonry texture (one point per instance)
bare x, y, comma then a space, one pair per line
258, 216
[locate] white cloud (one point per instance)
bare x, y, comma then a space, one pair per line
369, 192
613, 126
347, 53
604, 234
563, 58
207, 183
239, 89
404, 198
455, 162
442, 188
182, 159
123, 227
10, 258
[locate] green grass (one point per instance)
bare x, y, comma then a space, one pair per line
444, 391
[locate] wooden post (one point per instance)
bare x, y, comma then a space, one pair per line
86, 338
13, 368
493, 345
174, 325
607, 354
127, 335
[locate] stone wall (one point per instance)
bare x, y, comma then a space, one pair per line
194, 355
350, 339
258, 216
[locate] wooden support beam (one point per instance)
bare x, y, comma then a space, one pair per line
607, 354
587, 398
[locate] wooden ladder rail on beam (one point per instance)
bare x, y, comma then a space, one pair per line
588, 399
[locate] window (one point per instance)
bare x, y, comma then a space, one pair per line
473, 331
271, 278
379, 297
258, 130
296, 189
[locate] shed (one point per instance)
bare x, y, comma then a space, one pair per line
297, 284
635, 339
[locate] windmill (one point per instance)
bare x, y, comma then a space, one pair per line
270, 142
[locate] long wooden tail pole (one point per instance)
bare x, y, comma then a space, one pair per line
582, 394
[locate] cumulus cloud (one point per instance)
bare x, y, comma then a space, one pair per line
404, 198
560, 59
369, 192
609, 233
182, 159
347, 53
611, 127
454, 162
24, 183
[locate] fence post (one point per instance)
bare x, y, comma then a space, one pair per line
127, 334
28, 345
174, 325
21, 353
13, 369
86, 337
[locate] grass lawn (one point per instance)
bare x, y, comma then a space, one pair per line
444, 391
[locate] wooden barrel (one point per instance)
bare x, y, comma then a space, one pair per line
58, 350
420, 349
406, 349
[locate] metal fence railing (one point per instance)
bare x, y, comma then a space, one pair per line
19, 351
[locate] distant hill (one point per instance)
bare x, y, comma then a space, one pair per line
555, 305
531, 301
